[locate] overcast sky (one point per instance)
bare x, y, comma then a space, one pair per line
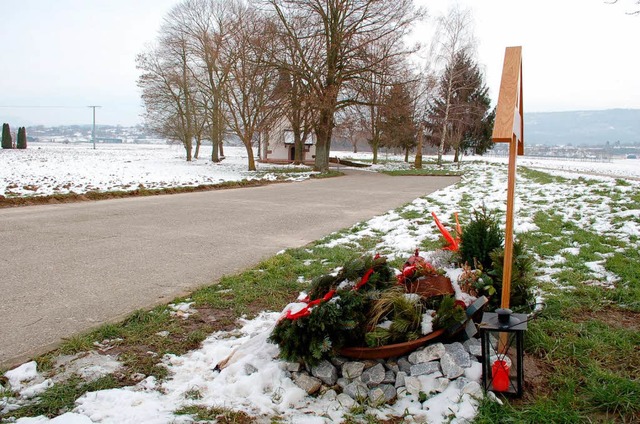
58, 57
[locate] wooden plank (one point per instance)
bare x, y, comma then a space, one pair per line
508, 232
508, 97
509, 128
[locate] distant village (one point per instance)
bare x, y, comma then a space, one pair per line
117, 134
594, 153
68, 134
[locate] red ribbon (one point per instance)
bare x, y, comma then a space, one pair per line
364, 279
306, 311
301, 313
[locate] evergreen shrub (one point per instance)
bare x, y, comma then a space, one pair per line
22, 138
481, 236
7, 141
521, 278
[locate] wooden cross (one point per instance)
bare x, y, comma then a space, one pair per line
509, 128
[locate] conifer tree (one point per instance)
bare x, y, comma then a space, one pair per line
22, 138
397, 127
460, 110
7, 142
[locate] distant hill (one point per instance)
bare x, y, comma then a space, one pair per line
583, 127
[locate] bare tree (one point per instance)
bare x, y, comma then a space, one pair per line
453, 36
208, 25
167, 90
296, 96
352, 128
250, 92
374, 84
423, 88
330, 39
184, 75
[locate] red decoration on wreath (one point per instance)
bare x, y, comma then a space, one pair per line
306, 311
414, 267
460, 303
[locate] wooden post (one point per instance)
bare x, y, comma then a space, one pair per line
509, 128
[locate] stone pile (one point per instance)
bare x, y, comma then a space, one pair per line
426, 370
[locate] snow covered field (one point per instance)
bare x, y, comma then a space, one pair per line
48, 168
619, 168
595, 203
51, 168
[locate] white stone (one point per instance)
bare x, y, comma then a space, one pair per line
425, 368
326, 372
346, 401
400, 376
413, 385
374, 375
352, 369
442, 384
307, 383
473, 389
450, 368
329, 395
430, 353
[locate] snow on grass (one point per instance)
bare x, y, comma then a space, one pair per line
259, 384
619, 168
48, 168
598, 204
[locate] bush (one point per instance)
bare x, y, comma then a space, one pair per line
521, 277
22, 138
7, 142
479, 238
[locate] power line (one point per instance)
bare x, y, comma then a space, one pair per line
41, 107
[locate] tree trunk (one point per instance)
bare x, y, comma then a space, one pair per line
323, 141
188, 147
418, 162
406, 155
442, 138
216, 130
197, 152
221, 149
251, 161
455, 156
355, 147
445, 122
188, 119
374, 148
214, 150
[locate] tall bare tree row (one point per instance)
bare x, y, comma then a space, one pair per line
236, 66
212, 71
251, 95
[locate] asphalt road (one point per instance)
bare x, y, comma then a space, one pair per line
67, 268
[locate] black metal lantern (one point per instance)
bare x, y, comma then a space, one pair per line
502, 338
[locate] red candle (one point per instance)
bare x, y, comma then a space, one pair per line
500, 372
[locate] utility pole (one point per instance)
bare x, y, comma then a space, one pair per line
93, 131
